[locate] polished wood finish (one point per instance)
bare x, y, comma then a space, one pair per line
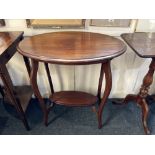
17, 96
143, 45
100, 81
72, 48
49, 77
108, 78
28, 66
8, 43
73, 98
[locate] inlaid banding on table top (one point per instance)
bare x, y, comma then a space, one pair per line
71, 46
142, 43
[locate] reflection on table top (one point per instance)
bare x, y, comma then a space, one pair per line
142, 43
71, 47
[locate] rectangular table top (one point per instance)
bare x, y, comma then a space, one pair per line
142, 43
8, 43
7, 38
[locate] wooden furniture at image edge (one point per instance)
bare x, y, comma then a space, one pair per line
72, 48
143, 45
18, 96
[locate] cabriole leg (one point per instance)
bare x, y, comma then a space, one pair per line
108, 77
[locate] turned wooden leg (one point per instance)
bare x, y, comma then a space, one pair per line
9, 91
147, 81
33, 79
140, 98
107, 70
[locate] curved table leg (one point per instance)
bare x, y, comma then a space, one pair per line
140, 98
145, 110
128, 98
33, 79
108, 78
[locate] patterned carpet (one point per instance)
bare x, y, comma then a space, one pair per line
117, 120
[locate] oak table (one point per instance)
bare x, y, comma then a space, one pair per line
143, 44
72, 48
18, 96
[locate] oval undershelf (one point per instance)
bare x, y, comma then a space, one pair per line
73, 98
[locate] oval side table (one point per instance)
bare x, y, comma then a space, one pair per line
72, 48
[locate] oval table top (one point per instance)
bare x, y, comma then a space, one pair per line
71, 47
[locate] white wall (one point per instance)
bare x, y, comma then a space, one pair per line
128, 70
145, 25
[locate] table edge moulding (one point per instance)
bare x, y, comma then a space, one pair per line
77, 48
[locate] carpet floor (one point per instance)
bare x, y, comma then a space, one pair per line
117, 120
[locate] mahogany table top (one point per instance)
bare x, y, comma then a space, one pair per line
71, 47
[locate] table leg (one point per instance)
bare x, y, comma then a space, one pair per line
1, 91
49, 77
27, 63
33, 79
9, 90
108, 77
100, 82
140, 98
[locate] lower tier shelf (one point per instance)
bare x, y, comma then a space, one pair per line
73, 98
